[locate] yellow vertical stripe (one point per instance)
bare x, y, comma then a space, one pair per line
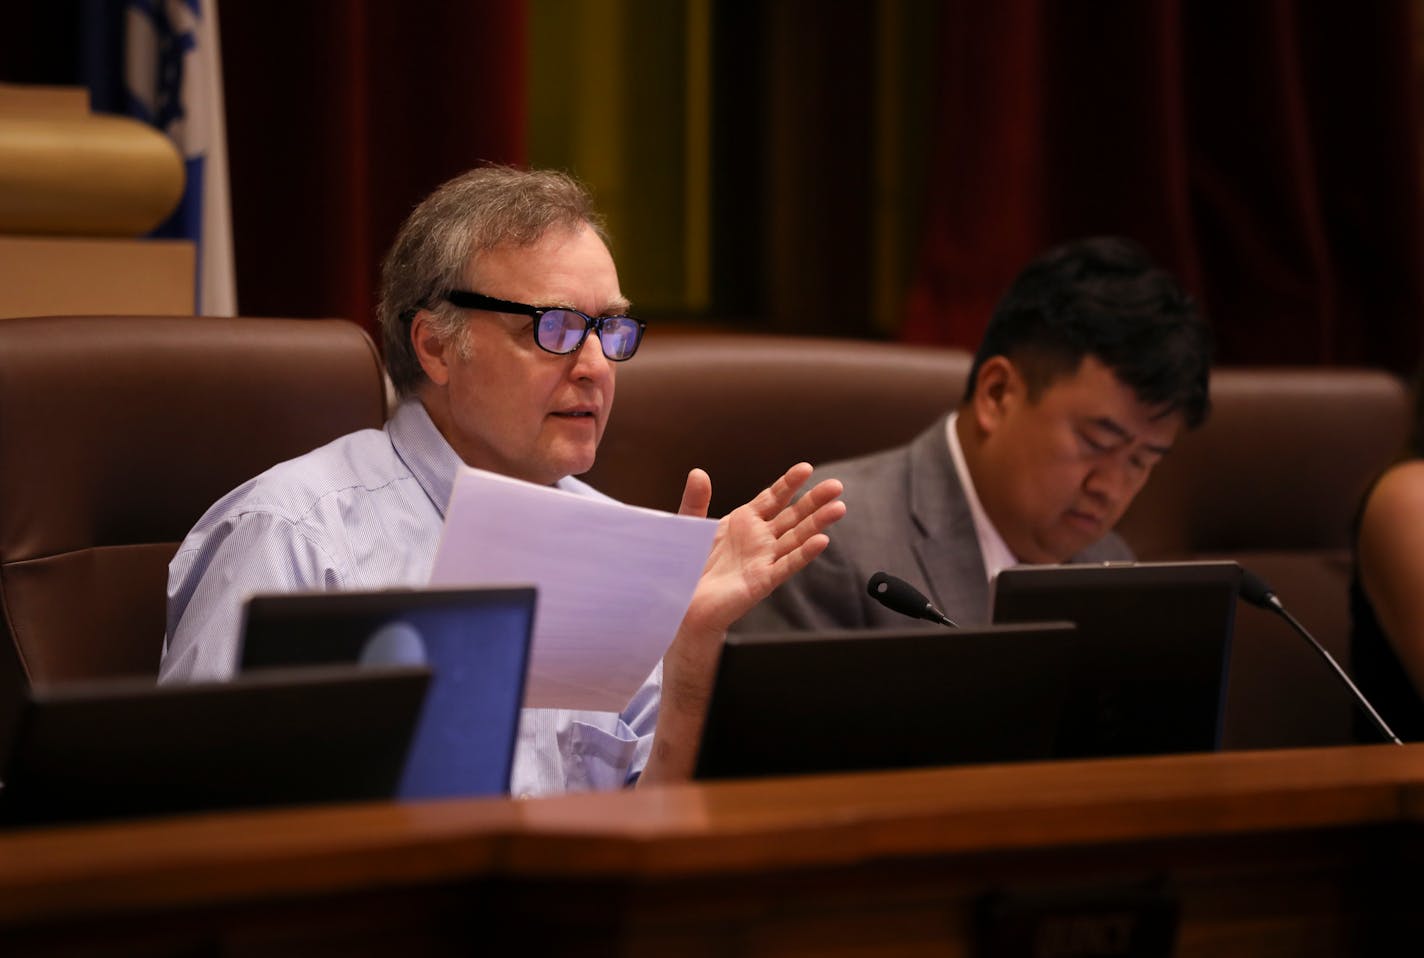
697, 185
620, 95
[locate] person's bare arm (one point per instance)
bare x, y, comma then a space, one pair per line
1391, 562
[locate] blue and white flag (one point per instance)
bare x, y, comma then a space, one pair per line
173, 80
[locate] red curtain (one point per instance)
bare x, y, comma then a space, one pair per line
1266, 152
342, 116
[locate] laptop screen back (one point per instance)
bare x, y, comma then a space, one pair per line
125, 747
475, 642
1155, 646
808, 702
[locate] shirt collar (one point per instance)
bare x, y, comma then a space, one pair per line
430, 459
992, 547
433, 461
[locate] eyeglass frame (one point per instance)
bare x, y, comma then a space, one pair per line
467, 299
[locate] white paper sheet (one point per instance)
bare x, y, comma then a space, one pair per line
614, 580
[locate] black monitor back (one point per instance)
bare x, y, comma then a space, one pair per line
857, 700
125, 748
1155, 646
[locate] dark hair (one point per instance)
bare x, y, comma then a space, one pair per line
1103, 297
488, 207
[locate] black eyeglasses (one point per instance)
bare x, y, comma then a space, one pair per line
561, 330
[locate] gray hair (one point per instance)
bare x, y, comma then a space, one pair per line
487, 208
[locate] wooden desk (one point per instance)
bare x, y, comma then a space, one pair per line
1311, 852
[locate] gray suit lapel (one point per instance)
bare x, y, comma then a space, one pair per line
944, 541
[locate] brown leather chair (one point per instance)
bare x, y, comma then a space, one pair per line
116, 434
1271, 480
746, 407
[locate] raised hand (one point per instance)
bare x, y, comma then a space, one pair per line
758, 546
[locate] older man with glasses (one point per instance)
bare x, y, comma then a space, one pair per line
502, 319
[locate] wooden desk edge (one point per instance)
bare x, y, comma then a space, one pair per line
690, 830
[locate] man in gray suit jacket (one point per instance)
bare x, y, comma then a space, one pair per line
1093, 363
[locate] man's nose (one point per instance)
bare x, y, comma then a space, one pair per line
1109, 480
589, 361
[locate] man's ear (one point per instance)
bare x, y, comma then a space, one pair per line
996, 388
430, 349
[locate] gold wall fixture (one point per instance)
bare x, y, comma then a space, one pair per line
78, 190
66, 171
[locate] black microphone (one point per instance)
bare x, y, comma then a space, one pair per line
1255, 591
899, 596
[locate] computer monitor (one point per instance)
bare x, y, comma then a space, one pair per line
1154, 648
125, 748
475, 641
804, 702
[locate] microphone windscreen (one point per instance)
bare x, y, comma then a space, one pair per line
898, 595
1254, 589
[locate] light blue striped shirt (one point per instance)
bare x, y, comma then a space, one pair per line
365, 512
